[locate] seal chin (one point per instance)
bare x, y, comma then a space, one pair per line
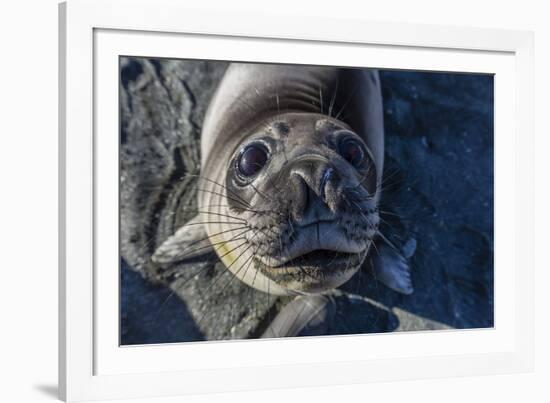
315, 272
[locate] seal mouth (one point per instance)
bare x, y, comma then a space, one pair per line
322, 258
316, 244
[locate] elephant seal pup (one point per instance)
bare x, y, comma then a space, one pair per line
292, 160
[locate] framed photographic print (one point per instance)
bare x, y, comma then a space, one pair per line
243, 208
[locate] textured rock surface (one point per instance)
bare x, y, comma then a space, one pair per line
438, 205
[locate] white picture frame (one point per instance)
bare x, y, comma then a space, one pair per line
93, 33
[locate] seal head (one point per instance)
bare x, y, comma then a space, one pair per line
307, 185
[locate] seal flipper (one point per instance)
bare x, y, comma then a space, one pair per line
189, 242
303, 313
392, 268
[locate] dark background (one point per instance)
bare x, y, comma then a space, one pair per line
438, 196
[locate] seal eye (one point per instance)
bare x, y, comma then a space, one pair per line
252, 159
352, 151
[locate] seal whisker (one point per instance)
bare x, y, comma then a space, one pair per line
265, 125
213, 213
235, 274
211, 222
146, 245
221, 243
385, 184
268, 306
255, 274
344, 106
246, 209
222, 195
253, 255
359, 281
385, 222
260, 193
370, 224
375, 248
333, 98
386, 212
170, 294
235, 198
217, 183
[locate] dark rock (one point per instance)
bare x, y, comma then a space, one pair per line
438, 192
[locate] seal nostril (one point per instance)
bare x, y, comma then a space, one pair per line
299, 197
323, 183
